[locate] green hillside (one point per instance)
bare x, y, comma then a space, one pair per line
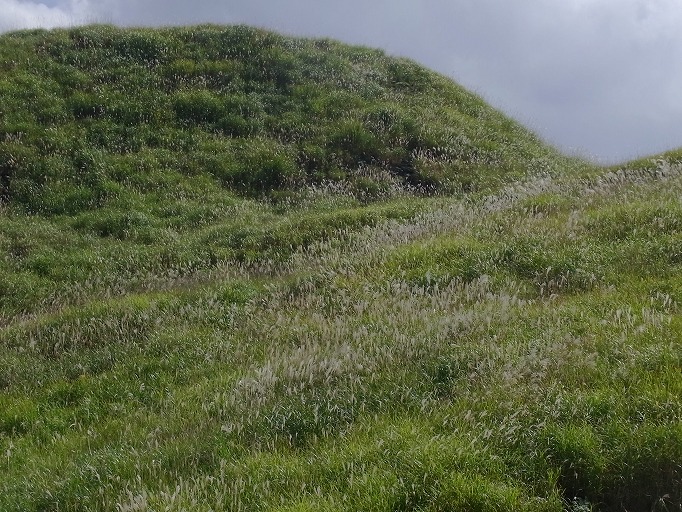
241, 271
92, 115
137, 152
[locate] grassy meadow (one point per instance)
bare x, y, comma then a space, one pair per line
242, 272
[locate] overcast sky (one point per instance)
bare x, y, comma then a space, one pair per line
602, 78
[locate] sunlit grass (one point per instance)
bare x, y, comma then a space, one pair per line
345, 386
173, 338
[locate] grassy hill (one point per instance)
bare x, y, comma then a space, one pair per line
248, 272
92, 115
139, 152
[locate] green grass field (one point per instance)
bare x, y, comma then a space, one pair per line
242, 272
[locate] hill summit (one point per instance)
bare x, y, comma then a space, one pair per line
93, 115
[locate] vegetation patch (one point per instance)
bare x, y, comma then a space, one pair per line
243, 271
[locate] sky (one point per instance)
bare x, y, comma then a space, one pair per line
597, 78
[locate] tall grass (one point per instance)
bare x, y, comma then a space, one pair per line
183, 340
343, 383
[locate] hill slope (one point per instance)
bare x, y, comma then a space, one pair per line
91, 112
136, 152
194, 317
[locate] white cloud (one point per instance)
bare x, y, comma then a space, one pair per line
20, 14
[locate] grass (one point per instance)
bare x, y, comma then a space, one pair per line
194, 316
145, 151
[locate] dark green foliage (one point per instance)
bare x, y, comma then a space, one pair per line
640, 476
198, 107
16, 419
